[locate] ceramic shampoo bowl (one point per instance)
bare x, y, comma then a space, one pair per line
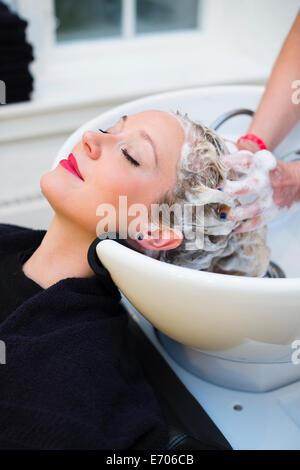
232, 318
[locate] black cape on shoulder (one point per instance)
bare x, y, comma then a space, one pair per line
72, 379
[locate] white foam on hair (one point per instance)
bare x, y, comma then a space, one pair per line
200, 171
263, 162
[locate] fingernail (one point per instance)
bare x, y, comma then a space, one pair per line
223, 215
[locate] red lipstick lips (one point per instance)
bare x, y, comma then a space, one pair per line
71, 165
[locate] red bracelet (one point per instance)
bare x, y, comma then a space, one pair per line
255, 139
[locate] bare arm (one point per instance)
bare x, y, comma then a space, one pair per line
277, 113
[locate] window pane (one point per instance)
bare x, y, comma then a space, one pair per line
87, 19
166, 15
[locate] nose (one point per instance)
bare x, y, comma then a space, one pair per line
92, 144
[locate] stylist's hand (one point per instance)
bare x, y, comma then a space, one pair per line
273, 186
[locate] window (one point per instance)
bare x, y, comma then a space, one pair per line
110, 51
101, 19
166, 15
88, 19
103, 37
114, 50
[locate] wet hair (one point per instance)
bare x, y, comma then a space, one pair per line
199, 173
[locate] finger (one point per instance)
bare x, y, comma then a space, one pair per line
242, 187
240, 161
248, 211
250, 225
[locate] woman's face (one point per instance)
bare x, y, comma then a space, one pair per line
136, 157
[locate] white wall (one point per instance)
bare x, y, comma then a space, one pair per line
256, 27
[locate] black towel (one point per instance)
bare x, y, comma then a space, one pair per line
15, 56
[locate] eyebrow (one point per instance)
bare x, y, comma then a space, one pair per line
146, 137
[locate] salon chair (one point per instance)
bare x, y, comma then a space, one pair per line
219, 350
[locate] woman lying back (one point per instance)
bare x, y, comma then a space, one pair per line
72, 379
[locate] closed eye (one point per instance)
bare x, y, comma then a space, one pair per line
124, 151
129, 158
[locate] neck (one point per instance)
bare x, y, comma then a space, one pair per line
62, 254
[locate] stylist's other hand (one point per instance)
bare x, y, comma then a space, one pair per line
271, 185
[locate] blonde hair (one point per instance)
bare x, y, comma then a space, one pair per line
199, 173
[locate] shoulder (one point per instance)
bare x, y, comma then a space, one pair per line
15, 237
6, 229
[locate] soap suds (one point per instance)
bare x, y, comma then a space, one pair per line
200, 172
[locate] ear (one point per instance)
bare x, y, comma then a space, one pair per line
164, 238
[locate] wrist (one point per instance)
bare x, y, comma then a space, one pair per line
285, 181
245, 144
255, 139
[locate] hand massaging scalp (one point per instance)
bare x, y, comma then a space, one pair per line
223, 250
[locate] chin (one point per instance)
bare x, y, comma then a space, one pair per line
69, 205
53, 188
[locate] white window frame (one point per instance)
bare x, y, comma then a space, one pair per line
125, 68
54, 61
218, 52
42, 32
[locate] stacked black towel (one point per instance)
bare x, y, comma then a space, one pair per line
15, 56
